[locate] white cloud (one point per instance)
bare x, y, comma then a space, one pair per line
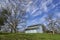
35, 1
36, 21
33, 12
33, 8
37, 13
57, 14
42, 19
32, 22
29, 3
43, 5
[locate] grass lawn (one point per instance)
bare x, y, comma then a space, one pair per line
22, 36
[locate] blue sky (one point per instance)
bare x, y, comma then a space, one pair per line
37, 10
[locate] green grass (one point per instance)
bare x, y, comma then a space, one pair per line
22, 36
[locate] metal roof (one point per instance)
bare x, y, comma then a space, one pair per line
32, 27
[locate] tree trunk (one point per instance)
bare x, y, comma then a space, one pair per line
53, 32
0, 28
11, 30
15, 29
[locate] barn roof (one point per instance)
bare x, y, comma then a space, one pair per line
32, 27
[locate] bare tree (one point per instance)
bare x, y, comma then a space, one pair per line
17, 16
3, 16
17, 9
58, 24
51, 22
